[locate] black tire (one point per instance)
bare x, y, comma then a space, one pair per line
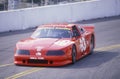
73, 54
92, 45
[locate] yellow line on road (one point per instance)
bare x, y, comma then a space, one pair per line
32, 70
24, 73
108, 47
6, 65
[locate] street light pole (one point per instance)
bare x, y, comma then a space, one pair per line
32, 3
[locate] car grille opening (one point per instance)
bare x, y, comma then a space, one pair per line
24, 61
33, 61
51, 62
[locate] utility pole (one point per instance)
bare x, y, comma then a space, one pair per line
32, 3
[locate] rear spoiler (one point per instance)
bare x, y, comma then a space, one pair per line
88, 27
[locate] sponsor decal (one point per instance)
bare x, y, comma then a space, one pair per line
37, 58
39, 48
33, 57
55, 28
83, 45
41, 58
63, 42
38, 54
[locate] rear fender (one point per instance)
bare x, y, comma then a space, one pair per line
89, 28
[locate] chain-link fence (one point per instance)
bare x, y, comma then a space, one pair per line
18, 4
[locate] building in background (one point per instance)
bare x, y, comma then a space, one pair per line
3, 5
18, 4
13, 4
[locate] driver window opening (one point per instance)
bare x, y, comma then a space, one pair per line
75, 31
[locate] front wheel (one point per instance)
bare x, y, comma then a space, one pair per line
91, 45
73, 54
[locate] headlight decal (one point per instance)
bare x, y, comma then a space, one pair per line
55, 53
22, 52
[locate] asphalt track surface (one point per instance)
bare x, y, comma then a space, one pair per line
104, 63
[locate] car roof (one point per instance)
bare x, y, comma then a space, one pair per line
58, 25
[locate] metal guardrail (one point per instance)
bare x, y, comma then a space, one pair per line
18, 4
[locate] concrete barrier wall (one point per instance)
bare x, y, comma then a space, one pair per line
26, 18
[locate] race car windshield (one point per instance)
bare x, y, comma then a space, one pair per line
51, 33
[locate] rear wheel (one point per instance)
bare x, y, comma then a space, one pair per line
92, 45
73, 54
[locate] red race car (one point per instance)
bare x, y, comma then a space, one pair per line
55, 45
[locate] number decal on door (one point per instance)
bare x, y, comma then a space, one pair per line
82, 44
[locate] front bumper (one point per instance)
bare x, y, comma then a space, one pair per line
42, 61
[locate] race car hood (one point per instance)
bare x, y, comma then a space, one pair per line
43, 43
